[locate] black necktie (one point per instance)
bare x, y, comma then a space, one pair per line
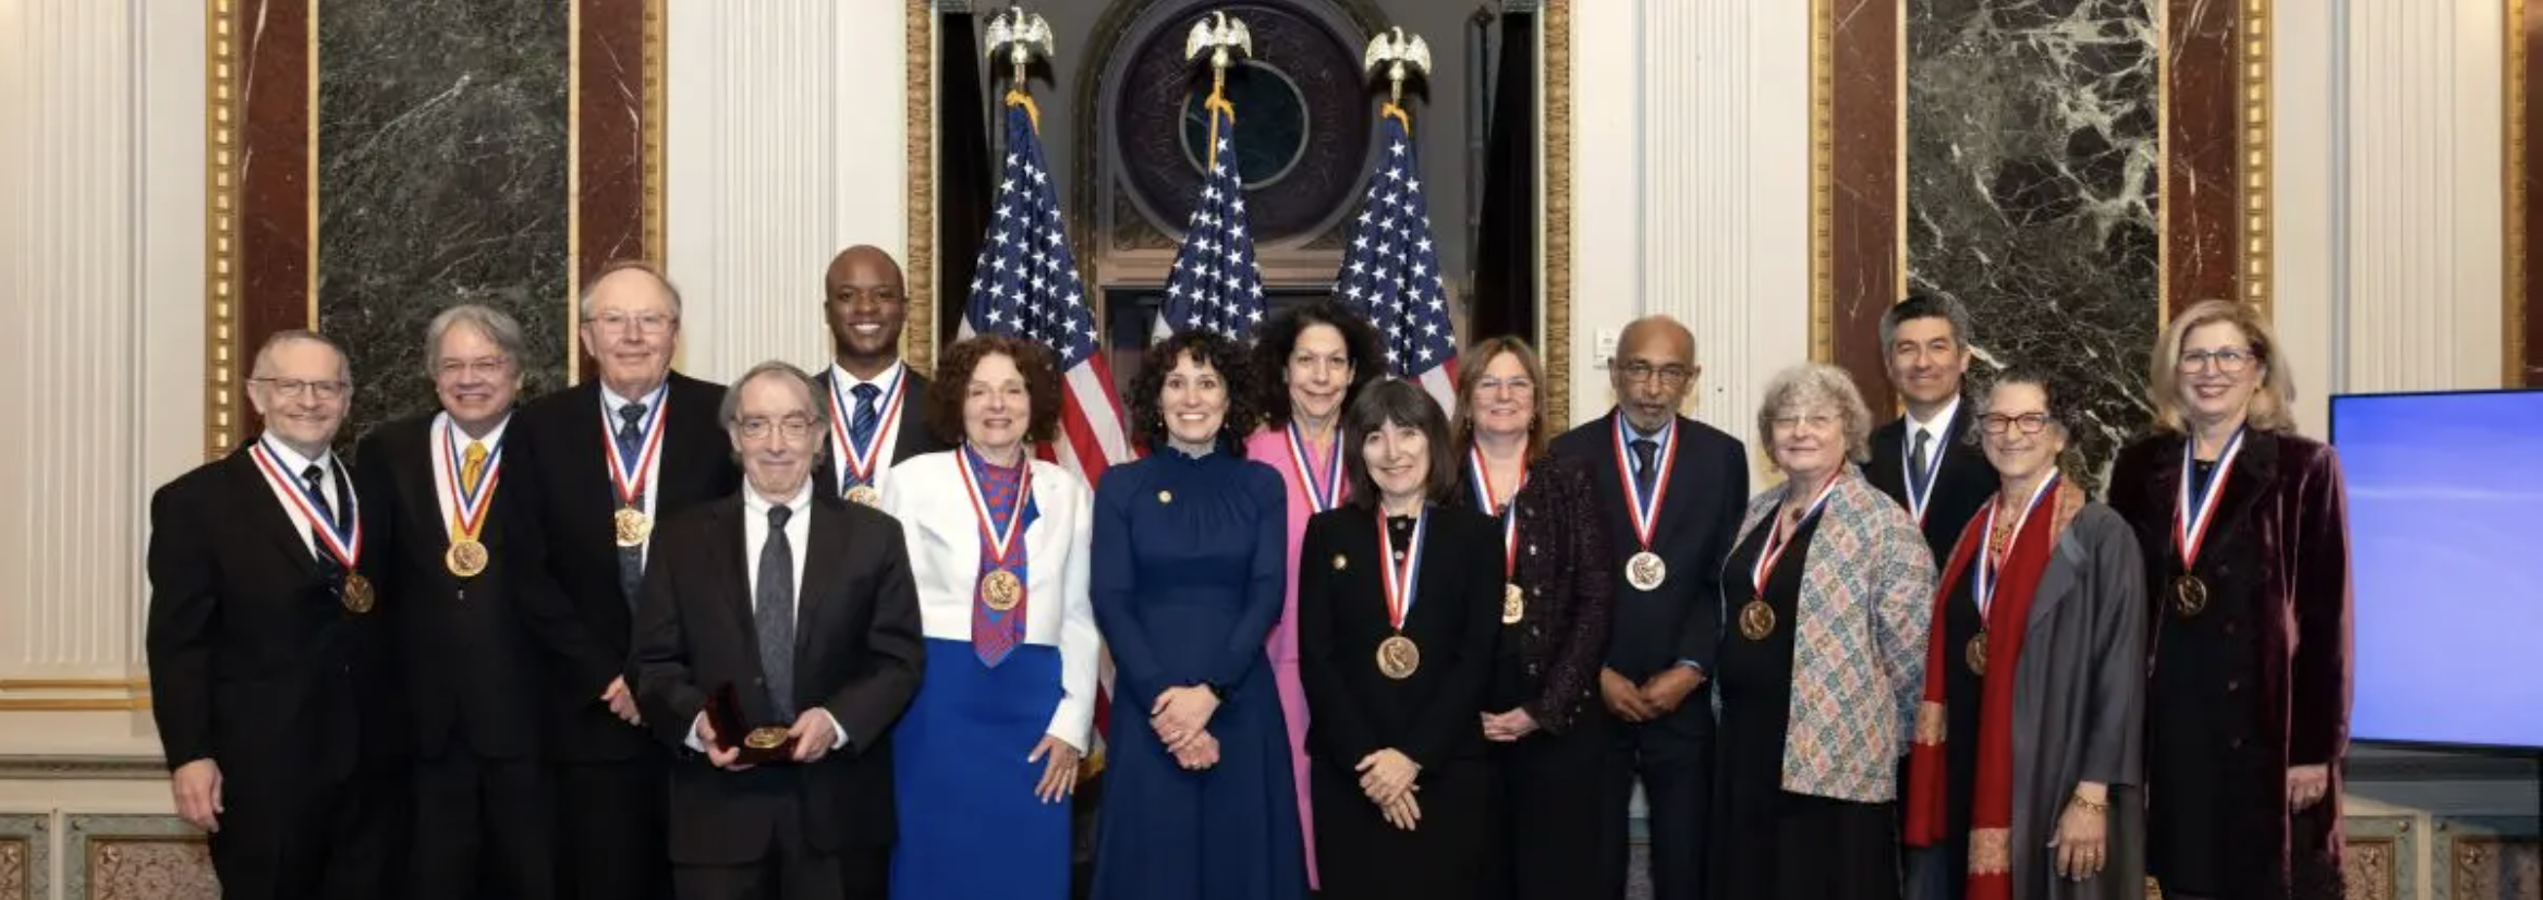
1646, 467
316, 479
631, 442
775, 614
1919, 477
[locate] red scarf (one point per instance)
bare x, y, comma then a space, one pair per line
1991, 814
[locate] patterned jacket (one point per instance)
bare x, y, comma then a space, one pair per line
1859, 646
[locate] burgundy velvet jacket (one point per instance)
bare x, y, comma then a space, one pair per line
1560, 640
2281, 533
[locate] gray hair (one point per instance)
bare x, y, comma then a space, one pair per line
344, 361
583, 300
1922, 305
1811, 384
497, 325
775, 368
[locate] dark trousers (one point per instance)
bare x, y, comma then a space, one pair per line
611, 828
484, 828
1672, 757
790, 869
285, 838
1554, 811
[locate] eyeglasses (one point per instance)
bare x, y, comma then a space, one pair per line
488, 367
2028, 423
648, 323
1670, 376
1816, 421
293, 387
757, 428
1496, 385
2229, 361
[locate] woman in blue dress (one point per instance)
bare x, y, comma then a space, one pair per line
1190, 568
985, 761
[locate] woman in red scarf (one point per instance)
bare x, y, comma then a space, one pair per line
2038, 643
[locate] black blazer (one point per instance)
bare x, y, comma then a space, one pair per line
471, 657
254, 661
914, 437
1961, 486
1354, 710
858, 653
1708, 492
557, 442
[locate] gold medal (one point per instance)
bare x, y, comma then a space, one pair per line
1514, 604
865, 495
633, 526
358, 597
1001, 590
465, 558
1756, 620
1398, 658
1645, 571
2189, 595
765, 738
1976, 655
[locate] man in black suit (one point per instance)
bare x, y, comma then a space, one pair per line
1677, 488
1928, 460
452, 534
801, 604
612, 458
874, 398
271, 677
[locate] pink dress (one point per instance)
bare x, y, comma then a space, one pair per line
1271, 447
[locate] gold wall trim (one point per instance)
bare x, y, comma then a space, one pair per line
653, 133
1556, 349
2254, 144
74, 694
2512, 311
74, 684
918, 336
220, 226
1823, 180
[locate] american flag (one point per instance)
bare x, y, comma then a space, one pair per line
1027, 286
1214, 283
1390, 274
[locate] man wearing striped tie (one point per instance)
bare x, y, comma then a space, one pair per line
870, 391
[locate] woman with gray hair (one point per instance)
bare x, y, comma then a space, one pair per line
1827, 599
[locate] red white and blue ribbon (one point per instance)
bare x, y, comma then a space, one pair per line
340, 535
1984, 588
1646, 509
859, 463
1401, 577
630, 482
1322, 484
1507, 513
2197, 507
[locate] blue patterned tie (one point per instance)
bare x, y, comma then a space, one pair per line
861, 425
631, 441
775, 614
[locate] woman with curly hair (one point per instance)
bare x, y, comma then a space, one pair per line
1313, 360
986, 757
1189, 574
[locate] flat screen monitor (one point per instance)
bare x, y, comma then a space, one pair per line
2446, 552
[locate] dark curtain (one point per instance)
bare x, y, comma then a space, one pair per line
1505, 252
966, 183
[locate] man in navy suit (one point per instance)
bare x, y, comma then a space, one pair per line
1677, 489
874, 397
1928, 459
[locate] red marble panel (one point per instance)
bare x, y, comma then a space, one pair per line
2528, 371
2202, 169
276, 216
1864, 219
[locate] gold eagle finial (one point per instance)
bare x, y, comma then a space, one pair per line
1403, 56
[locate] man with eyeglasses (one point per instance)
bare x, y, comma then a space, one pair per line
872, 426
1928, 460
1677, 488
271, 680
772, 672
452, 521
612, 457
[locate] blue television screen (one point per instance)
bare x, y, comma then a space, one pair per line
2446, 549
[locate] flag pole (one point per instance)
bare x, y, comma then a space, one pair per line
1403, 57
1020, 36
1224, 38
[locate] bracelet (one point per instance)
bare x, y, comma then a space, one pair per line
2088, 805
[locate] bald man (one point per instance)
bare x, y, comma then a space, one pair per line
1677, 488
873, 396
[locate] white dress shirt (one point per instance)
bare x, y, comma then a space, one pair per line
887, 431
288, 494
449, 451
755, 509
610, 404
1939, 427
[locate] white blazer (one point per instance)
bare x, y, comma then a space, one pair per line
926, 493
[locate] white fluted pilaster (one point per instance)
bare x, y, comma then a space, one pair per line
785, 144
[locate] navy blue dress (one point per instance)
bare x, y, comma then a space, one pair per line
1189, 571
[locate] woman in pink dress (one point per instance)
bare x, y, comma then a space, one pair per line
1324, 355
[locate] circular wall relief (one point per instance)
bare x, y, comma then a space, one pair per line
1302, 122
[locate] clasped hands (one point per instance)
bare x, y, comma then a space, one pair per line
812, 732
1387, 777
1655, 697
1181, 718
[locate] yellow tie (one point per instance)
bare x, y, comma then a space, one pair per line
472, 468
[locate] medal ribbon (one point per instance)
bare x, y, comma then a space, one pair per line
1000, 536
468, 509
2195, 512
1322, 493
1916, 502
1646, 510
1984, 588
1399, 577
858, 464
1509, 515
344, 542
631, 482
1778, 541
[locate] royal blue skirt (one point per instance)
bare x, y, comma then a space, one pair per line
970, 826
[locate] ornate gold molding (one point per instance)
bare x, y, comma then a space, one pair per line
2512, 311
221, 66
2254, 145
1823, 180
1556, 349
653, 132
918, 336
74, 694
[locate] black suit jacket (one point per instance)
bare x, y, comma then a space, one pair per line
471, 656
858, 654
1961, 487
1456, 618
557, 442
912, 440
254, 661
1699, 518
